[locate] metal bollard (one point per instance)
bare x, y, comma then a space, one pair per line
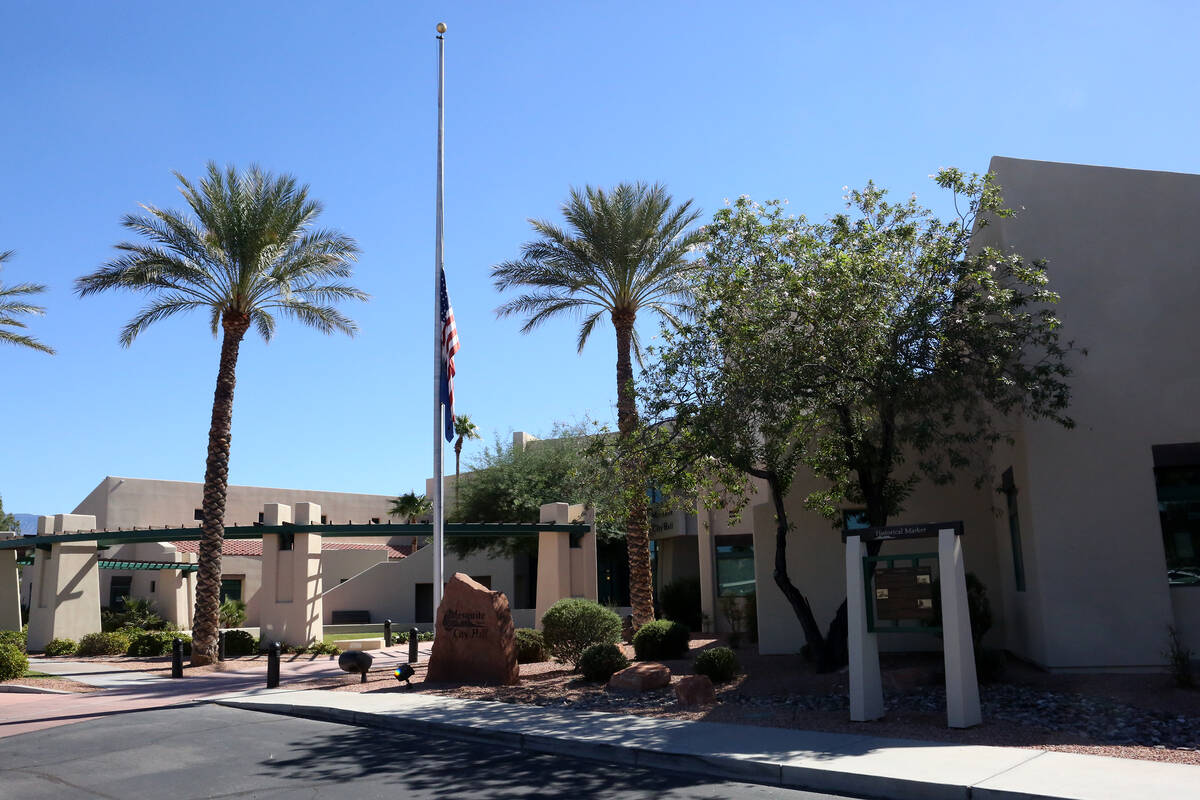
177, 658
221, 646
273, 665
412, 645
387, 632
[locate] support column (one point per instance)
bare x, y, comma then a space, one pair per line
176, 591
66, 585
10, 588
866, 683
705, 555
584, 577
554, 560
276, 592
306, 577
962, 686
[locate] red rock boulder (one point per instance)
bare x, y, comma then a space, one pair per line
695, 690
640, 677
475, 640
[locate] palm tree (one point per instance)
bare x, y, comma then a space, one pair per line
11, 308
410, 507
247, 251
624, 251
464, 429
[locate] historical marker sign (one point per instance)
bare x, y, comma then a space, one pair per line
889, 532
904, 593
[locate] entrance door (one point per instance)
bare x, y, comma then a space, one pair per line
423, 603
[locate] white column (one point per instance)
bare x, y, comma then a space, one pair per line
962, 687
306, 577
66, 592
10, 588
866, 684
175, 591
554, 561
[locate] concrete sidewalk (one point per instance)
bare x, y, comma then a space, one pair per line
830, 762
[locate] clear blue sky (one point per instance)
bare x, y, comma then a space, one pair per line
103, 100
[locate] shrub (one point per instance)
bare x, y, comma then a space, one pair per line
323, 649
423, 636
240, 643
15, 639
232, 613
600, 661
13, 663
61, 647
1179, 660
681, 602
572, 625
720, 664
531, 646
157, 643
990, 664
105, 643
661, 639
141, 614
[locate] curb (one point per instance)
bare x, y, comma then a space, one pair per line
703, 765
17, 688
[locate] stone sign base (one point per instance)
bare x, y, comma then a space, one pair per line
475, 641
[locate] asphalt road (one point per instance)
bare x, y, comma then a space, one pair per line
211, 751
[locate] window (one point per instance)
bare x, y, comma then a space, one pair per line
1177, 480
198, 514
735, 565
423, 603
231, 589
153, 586
1009, 488
854, 519
118, 590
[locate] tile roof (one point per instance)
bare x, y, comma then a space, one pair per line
253, 547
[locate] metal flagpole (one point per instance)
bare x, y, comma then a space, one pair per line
438, 334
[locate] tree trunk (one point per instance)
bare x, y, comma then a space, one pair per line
637, 526
205, 623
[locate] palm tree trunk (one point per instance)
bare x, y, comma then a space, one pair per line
637, 526
206, 623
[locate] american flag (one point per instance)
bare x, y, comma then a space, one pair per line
449, 348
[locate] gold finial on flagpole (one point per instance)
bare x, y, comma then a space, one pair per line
441, 27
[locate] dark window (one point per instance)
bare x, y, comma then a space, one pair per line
483, 580
198, 514
261, 517
1009, 488
854, 519
231, 589
374, 520
324, 520
153, 586
735, 565
118, 590
423, 606
1177, 479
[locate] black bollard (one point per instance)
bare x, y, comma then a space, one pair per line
177, 658
412, 645
387, 632
273, 665
221, 646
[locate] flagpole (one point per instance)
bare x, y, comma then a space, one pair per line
438, 567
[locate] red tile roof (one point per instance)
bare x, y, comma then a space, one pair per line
253, 547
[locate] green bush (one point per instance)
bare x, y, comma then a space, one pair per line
323, 649
990, 664
600, 661
240, 643
157, 643
231, 613
531, 646
13, 663
661, 639
15, 639
61, 647
105, 643
680, 602
720, 664
423, 636
572, 625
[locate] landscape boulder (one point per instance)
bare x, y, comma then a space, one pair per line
695, 690
640, 677
475, 641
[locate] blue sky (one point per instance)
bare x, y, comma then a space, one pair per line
103, 100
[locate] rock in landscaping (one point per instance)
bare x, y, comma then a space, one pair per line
475, 641
640, 677
695, 690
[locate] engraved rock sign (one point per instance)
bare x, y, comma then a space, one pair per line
475, 641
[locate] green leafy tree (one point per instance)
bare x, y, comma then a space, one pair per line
12, 307
623, 252
411, 506
877, 350
8, 522
249, 250
464, 429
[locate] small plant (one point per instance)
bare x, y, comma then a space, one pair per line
232, 613
240, 643
531, 646
17, 639
323, 649
105, 643
13, 662
1179, 660
720, 664
600, 661
661, 639
140, 614
735, 613
60, 647
681, 602
572, 625
423, 636
149, 644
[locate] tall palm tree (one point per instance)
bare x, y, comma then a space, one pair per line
410, 507
465, 429
623, 251
11, 308
248, 250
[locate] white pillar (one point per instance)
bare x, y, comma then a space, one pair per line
66, 590
866, 684
306, 575
962, 686
290, 597
10, 588
554, 561
175, 588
